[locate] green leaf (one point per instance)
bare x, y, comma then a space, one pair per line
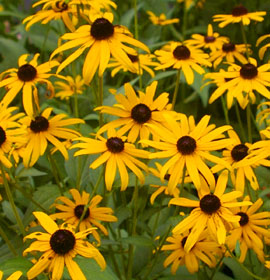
163, 75
138, 240
7, 209
15, 264
21, 171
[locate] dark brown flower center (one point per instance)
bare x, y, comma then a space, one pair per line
167, 177
62, 241
181, 53
210, 204
183, 241
27, 73
60, 6
248, 71
239, 152
133, 58
228, 47
239, 11
244, 218
115, 145
39, 124
141, 113
3, 136
78, 211
186, 145
102, 29
209, 39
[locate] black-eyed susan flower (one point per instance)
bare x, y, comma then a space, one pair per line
69, 87
264, 48
188, 146
53, 10
252, 230
26, 78
234, 153
135, 112
212, 40
118, 155
204, 250
184, 57
14, 276
230, 52
238, 14
59, 245
211, 212
244, 80
161, 19
104, 40
73, 210
43, 129
142, 62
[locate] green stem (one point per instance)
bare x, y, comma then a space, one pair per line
244, 39
216, 267
244, 138
42, 51
55, 172
10, 246
136, 30
183, 179
117, 270
225, 110
100, 99
248, 112
184, 26
176, 88
11, 201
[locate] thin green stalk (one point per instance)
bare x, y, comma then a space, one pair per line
184, 26
244, 268
100, 100
11, 201
244, 39
117, 270
225, 110
183, 179
244, 138
176, 88
55, 172
42, 51
216, 267
10, 246
248, 112
133, 229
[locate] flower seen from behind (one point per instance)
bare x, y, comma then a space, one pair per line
161, 19
59, 245
72, 211
103, 40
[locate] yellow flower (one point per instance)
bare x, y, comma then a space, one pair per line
161, 20
211, 40
140, 62
43, 129
104, 39
72, 212
264, 48
188, 146
14, 276
26, 77
136, 112
211, 212
243, 80
238, 14
230, 52
251, 232
116, 153
203, 250
186, 58
59, 246
70, 87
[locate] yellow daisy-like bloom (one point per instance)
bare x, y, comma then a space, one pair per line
188, 146
136, 112
264, 48
203, 250
239, 14
190, 3
161, 189
161, 20
264, 117
43, 129
141, 62
116, 153
26, 78
252, 230
211, 212
59, 246
211, 40
235, 153
72, 212
14, 276
243, 80
53, 10
230, 52
186, 58
104, 39
70, 87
